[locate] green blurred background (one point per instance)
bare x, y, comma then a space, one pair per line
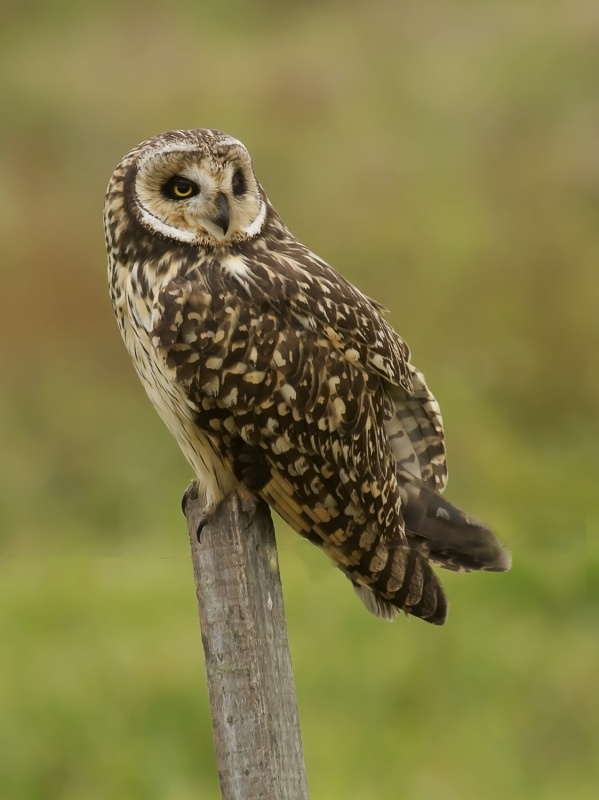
444, 157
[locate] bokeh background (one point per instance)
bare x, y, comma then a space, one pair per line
444, 157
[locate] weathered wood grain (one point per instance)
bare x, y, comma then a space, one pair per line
250, 680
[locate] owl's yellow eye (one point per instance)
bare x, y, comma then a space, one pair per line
178, 188
182, 189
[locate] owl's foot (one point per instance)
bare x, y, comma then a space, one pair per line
247, 499
197, 518
191, 493
249, 502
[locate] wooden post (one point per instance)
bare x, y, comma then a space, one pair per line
250, 680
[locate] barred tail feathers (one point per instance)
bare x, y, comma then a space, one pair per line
391, 575
413, 588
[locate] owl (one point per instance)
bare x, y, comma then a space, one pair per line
278, 378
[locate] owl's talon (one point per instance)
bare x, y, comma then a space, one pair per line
249, 503
202, 522
197, 519
191, 493
248, 500
250, 506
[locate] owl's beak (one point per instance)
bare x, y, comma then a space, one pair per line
221, 217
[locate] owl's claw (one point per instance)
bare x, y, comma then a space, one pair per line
197, 520
247, 499
191, 493
249, 502
201, 524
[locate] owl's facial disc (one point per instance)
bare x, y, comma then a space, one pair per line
199, 196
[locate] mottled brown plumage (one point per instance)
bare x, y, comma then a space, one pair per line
272, 371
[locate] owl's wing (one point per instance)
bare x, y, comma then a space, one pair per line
301, 424
416, 434
296, 282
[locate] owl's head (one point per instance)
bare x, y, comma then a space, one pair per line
196, 186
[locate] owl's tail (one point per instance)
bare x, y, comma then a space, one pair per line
436, 532
407, 584
449, 537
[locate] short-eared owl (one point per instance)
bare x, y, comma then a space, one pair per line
274, 373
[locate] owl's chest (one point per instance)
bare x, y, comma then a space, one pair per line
133, 305
168, 396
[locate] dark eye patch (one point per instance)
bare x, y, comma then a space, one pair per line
238, 183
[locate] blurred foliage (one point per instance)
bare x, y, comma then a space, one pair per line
442, 156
